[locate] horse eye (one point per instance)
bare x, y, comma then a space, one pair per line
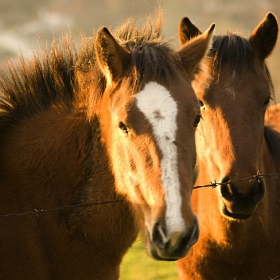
197, 120
266, 102
202, 106
123, 127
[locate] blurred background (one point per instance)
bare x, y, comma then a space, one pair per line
26, 23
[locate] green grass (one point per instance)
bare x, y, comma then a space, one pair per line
137, 265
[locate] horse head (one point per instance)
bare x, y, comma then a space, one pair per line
233, 102
148, 115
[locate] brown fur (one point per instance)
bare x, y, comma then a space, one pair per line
233, 143
70, 134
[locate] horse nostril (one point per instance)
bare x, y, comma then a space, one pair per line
159, 236
193, 234
161, 240
225, 180
252, 190
227, 190
259, 190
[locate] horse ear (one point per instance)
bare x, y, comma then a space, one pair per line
194, 51
264, 37
187, 30
112, 58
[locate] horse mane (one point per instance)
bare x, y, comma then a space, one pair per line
236, 52
272, 138
66, 78
44, 80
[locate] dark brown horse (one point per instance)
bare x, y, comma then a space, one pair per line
239, 219
99, 143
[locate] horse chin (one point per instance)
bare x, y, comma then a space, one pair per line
235, 216
157, 254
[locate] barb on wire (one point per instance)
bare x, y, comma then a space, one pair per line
255, 177
39, 211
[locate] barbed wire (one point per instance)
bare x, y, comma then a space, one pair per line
255, 177
91, 204
40, 211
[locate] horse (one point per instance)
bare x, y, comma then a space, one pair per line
97, 145
236, 195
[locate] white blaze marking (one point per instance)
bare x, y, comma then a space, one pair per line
158, 106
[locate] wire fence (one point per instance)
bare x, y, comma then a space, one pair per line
214, 184
255, 177
77, 206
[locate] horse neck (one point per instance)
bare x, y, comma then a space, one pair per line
271, 165
60, 161
60, 153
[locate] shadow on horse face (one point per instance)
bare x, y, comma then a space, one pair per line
233, 104
151, 146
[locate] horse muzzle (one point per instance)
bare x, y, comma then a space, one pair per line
239, 200
173, 246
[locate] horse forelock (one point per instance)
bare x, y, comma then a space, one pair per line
231, 50
236, 53
152, 57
